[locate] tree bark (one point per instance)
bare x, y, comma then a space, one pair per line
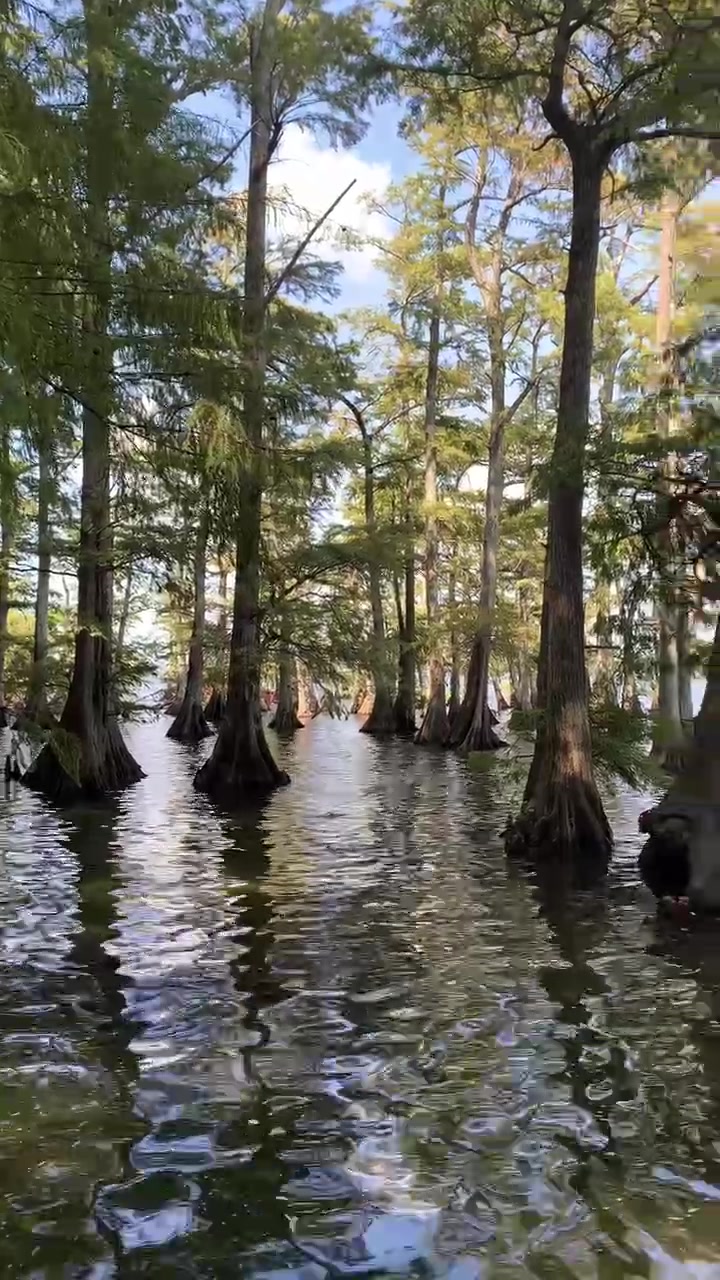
562, 813
473, 726
405, 701
435, 727
286, 719
455, 699
36, 708
216, 703
241, 766
190, 724
89, 757
682, 854
668, 736
381, 720
685, 668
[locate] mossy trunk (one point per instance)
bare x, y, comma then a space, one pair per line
241, 767
88, 757
190, 723
562, 813
682, 854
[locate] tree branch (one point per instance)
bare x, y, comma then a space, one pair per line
287, 270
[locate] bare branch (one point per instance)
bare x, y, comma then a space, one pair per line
287, 270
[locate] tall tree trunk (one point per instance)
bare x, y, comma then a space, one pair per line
405, 700
36, 708
91, 759
435, 727
215, 709
124, 614
6, 536
668, 736
473, 726
190, 724
381, 720
286, 719
308, 706
562, 813
473, 729
241, 765
684, 829
455, 700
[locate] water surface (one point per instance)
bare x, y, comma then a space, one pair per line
344, 1038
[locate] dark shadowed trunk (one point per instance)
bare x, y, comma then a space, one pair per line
435, 728
562, 812
36, 706
241, 766
286, 719
90, 757
190, 724
6, 515
684, 829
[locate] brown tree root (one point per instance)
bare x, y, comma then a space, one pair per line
435, 728
189, 724
405, 726
285, 722
241, 770
381, 720
215, 706
564, 821
102, 766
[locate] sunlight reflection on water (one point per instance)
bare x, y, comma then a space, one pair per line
344, 1037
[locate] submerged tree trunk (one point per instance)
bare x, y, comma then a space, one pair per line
89, 756
286, 719
435, 728
562, 813
190, 724
682, 854
241, 766
36, 708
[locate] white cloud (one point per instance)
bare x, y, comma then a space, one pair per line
311, 177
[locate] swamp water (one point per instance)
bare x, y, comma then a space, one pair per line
347, 1038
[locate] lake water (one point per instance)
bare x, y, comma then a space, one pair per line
347, 1038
